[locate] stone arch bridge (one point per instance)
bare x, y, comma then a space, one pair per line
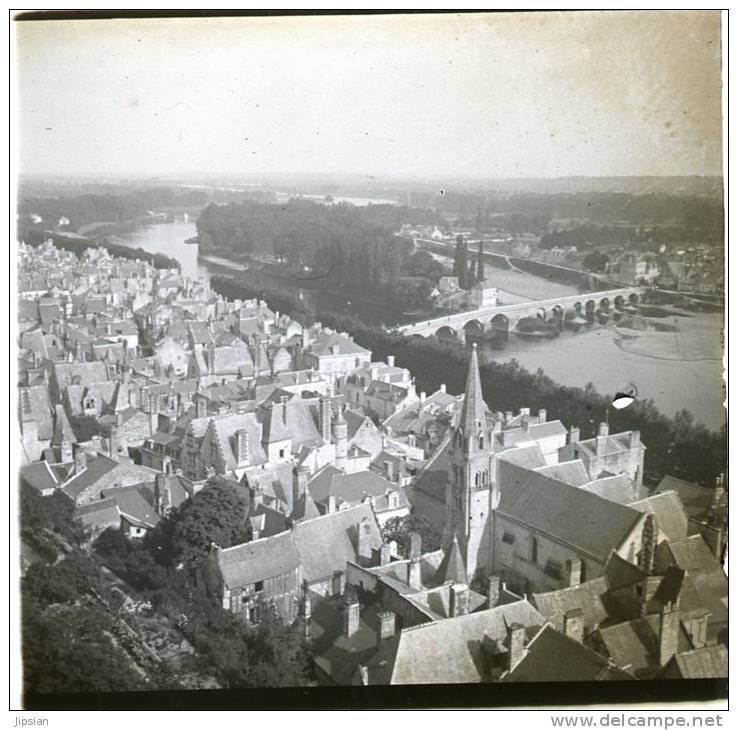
579, 309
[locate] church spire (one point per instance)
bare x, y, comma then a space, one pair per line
474, 409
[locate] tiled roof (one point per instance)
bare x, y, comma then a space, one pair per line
452, 566
40, 404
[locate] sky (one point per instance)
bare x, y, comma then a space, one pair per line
470, 95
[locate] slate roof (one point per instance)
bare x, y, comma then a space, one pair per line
586, 596
452, 566
554, 657
351, 488
245, 564
633, 645
448, 651
620, 573
225, 427
100, 514
38, 399
326, 543
38, 476
569, 514
615, 488
695, 498
527, 457
710, 662
323, 343
88, 372
568, 472
670, 516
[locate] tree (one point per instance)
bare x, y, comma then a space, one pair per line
480, 261
215, 515
596, 262
399, 529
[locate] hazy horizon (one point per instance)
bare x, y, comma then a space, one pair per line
496, 97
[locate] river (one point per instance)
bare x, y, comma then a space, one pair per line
677, 370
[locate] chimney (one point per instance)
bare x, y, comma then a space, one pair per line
391, 360
649, 539
458, 600
66, 451
603, 430
573, 572
573, 435
325, 419
364, 674
508, 416
388, 471
201, 407
333, 508
365, 539
574, 624
283, 401
634, 439
384, 554
415, 545
211, 358
80, 461
299, 483
162, 495
650, 586
242, 446
494, 584
335, 349
118, 419
422, 397
307, 609
669, 632
525, 411
442, 388
542, 415
351, 616
414, 575
385, 626
515, 644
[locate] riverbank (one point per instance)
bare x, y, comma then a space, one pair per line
694, 383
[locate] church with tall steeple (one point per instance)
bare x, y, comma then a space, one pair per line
471, 491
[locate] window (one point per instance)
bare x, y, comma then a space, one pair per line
281, 453
259, 586
533, 550
553, 569
481, 442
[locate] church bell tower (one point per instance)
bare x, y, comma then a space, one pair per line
471, 490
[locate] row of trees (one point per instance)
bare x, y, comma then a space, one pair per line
468, 272
676, 446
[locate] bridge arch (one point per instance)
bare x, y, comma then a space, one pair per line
633, 298
605, 304
619, 301
500, 324
446, 334
590, 307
